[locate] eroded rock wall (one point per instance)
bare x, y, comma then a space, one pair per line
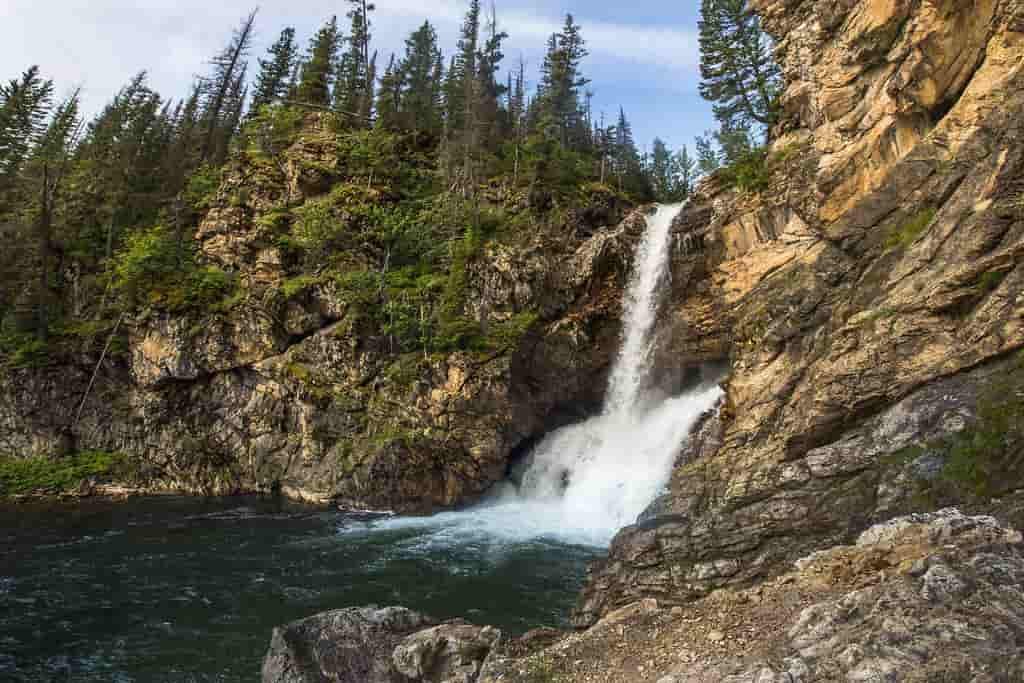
868, 299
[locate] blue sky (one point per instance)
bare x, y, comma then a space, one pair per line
643, 54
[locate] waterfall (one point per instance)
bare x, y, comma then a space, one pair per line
598, 476
643, 299
587, 481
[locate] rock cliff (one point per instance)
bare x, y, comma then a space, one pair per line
870, 300
293, 388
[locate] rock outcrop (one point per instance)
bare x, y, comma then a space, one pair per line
371, 645
870, 299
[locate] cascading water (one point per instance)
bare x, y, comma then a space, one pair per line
587, 481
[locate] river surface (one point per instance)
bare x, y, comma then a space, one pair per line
177, 589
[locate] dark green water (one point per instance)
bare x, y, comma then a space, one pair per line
188, 590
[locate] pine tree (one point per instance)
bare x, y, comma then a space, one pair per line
562, 83
671, 175
628, 163
44, 177
24, 105
461, 90
738, 73
321, 66
354, 91
708, 160
453, 95
421, 70
389, 97
122, 173
182, 154
276, 72
234, 110
227, 67
662, 172
685, 169
492, 121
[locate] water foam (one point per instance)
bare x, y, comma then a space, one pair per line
587, 481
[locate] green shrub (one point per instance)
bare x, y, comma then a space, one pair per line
157, 268
55, 475
750, 172
988, 457
508, 334
203, 186
23, 350
293, 287
906, 233
990, 281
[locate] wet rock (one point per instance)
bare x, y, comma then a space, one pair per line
345, 646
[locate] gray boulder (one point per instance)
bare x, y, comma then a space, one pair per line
343, 646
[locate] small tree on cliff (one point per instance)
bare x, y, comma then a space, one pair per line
321, 66
739, 75
273, 80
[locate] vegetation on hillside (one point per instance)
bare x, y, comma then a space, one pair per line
100, 215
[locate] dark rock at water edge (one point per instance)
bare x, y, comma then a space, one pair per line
377, 645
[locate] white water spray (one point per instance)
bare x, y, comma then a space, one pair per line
587, 481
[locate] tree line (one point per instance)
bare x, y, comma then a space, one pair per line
73, 193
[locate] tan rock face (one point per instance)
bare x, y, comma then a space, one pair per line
883, 265
872, 78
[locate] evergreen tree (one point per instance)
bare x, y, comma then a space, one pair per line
492, 122
562, 83
182, 155
121, 174
389, 97
671, 175
735, 141
708, 160
228, 67
275, 75
420, 72
460, 87
627, 161
685, 168
461, 93
321, 66
47, 170
24, 105
354, 91
662, 172
234, 110
738, 73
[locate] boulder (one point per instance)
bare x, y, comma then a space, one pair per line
344, 646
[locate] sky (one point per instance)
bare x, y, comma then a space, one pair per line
643, 54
